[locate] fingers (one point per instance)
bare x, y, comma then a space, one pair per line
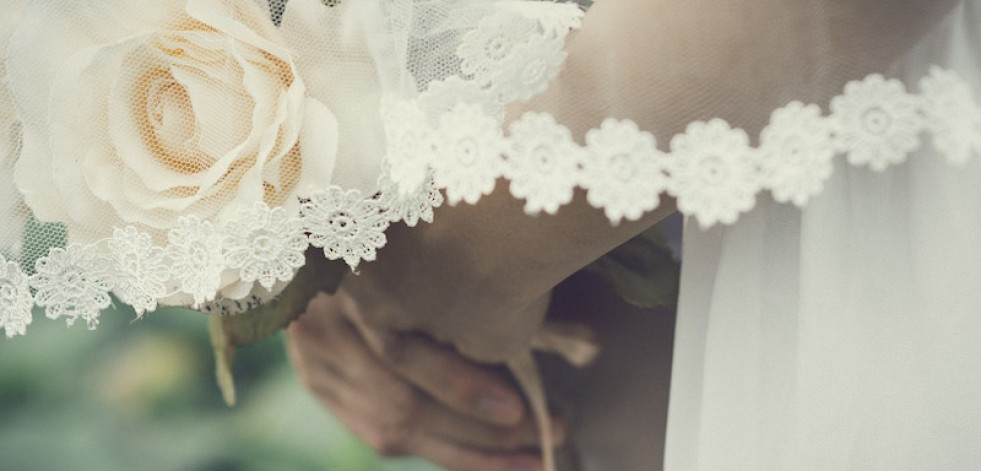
470, 389
349, 373
492, 342
447, 454
393, 425
390, 414
457, 458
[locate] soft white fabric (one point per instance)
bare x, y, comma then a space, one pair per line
846, 336
189, 151
843, 336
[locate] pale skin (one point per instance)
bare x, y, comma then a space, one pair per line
406, 395
479, 278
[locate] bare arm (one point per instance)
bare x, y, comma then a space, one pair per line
479, 276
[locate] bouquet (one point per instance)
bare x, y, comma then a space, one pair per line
212, 153
189, 152
201, 153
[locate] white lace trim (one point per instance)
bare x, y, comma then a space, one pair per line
260, 246
72, 283
711, 168
345, 224
265, 245
16, 300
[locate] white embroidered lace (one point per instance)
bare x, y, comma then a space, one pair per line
141, 273
467, 153
195, 249
345, 224
266, 244
409, 209
542, 163
876, 122
16, 301
72, 283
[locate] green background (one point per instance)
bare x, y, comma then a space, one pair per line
141, 395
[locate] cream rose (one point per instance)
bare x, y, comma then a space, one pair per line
12, 212
139, 113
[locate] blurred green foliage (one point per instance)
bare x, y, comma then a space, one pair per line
141, 395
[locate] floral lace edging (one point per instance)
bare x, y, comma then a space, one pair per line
711, 169
261, 245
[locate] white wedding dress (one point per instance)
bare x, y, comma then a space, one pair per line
189, 152
846, 336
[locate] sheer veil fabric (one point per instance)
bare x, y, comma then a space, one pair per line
844, 336
826, 154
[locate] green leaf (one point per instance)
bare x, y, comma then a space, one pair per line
231, 332
642, 271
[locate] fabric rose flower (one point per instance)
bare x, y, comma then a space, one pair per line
11, 208
155, 110
143, 113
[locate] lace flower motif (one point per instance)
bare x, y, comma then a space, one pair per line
265, 244
408, 208
468, 153
528, 69
542, 163
442, 96
877, 122
16, 301
555, 18
796, 152
345, 224
141, 274
713, 172
409, 144
952, 115
622, 170
73, 283
198, 262
483, 50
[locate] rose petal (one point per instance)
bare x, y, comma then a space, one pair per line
81, 161
354, 97
127, 128
318, 143
51, 31
222, 112
245, 21
35, 181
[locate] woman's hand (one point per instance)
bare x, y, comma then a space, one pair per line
406, 395
480, 277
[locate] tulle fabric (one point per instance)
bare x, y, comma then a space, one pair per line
840, 336
844, 336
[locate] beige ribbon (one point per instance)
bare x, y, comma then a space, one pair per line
576, 344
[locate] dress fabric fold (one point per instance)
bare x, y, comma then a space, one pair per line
844, 336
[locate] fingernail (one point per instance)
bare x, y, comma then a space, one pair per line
497, 406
